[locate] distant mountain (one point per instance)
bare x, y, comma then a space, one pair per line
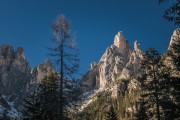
14, 70
17, 78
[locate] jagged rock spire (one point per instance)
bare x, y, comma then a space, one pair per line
119, 39
20, 53
174, 37
122, 44
136, 46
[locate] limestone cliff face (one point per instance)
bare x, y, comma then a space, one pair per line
114, 60
133, 65
119, 62
174, 40
14, 70
174, 37
90, 80
38, 73
16, 76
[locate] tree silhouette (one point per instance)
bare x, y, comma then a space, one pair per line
65, 53
151, 64
174, 54
31, 106
48, 93
111, 115
172, 13
141, 112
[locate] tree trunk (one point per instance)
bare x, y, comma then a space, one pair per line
156, 94
61, 82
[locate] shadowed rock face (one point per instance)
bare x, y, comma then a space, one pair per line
14, 70
16, 76
38, 73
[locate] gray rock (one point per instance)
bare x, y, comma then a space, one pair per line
14, 70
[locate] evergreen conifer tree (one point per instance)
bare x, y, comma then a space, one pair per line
111, 115
48, 92
150, 82
174, 84
141, 112
31, 106
172, 13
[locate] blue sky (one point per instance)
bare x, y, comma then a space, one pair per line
27, 24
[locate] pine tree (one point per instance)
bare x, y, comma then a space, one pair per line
151, 82
141, 112
48, 93
5, 114
174, 54
172, 13
44, 104
111, 115
31, 106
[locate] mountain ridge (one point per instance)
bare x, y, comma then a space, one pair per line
115, 73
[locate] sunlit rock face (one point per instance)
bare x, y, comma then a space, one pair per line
118, 65
174, 37
14, 70
133, 65
119, 62
114, 60
121, 43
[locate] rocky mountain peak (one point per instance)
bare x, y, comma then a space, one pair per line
6, 50
116, 67
118, 62
39, 72
14, 70
119, 39
174, 37
93, 65
20, 53
120, 42
137, 46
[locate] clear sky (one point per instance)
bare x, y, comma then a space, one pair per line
27, 24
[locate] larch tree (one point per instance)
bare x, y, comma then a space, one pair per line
65, 53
